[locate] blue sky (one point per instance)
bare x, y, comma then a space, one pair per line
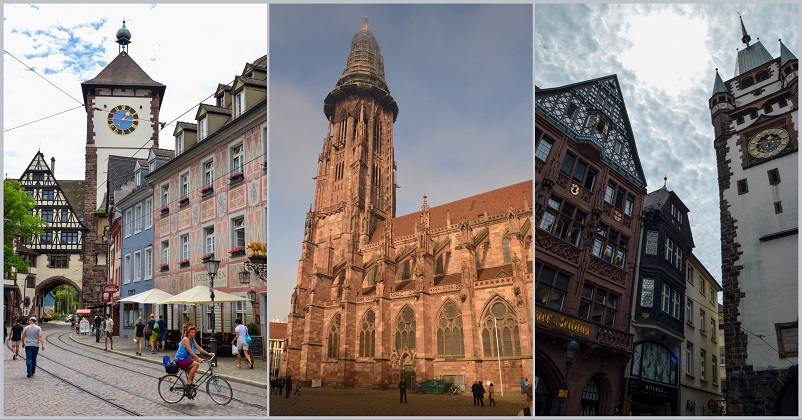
665, 57
186, 47
461, 76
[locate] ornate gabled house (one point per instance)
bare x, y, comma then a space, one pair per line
54, 257
440, 293
755, 117
652, 378
122, 118
589, 193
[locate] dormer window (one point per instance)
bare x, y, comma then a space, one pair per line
138, 178
221, 101
151, 166
202, 128
239, 104
179, 144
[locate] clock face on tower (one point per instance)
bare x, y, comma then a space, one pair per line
123, 119
768, 143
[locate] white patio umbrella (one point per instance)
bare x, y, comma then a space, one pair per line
200, 295
153, 296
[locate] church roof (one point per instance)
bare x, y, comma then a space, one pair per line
494, 202
751, 57
122, 71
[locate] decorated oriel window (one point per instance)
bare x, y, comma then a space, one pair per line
654, 362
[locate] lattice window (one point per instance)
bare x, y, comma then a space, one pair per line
589, 406
367, 335
405, 329
500, 336
334, 337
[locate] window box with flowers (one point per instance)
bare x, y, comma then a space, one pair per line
207, 190
183, 201
165, 209
183, 263
236, 177
237, 251
207, 256
164, 267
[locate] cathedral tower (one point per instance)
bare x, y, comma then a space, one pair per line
122, 119
756, 123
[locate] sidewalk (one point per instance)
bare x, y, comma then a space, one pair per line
226, 366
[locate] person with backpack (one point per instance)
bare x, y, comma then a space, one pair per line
240, 340
161, 332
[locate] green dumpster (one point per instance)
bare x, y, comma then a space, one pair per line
437, 386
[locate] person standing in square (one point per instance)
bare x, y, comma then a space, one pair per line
402, 388
108, 327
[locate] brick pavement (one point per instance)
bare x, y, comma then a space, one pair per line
367, 402
226, 366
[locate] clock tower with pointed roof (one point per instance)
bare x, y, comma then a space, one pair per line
755, 116
122, 118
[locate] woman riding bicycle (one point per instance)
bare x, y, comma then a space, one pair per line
187, 352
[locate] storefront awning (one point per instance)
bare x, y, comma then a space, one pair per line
83, 311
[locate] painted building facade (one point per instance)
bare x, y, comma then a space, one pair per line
211, 200
421, 296
755, 116
589, 197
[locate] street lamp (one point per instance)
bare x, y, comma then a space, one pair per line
244, 277
252, 295
211, 269
571, 351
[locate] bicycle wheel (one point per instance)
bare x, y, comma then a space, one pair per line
171, 388
219, 390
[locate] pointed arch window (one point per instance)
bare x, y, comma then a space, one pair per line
367, 335
505, 249
500, 335
590, 399
450, 337
403, 271
371, 277
405, 329
438, 265
334, 337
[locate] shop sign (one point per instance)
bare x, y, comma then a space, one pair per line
560, 321
563, 393
638, 387
788, 338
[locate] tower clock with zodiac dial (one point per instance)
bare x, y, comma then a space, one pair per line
123, 119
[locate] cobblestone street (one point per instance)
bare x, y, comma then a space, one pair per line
73, 379
363, 402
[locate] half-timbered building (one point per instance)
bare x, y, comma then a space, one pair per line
589, 194
54, 257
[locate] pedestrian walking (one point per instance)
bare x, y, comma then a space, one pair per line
15, 336
152, 334
482, 392
491, 392
139, 335
185, 326
161, 337
31, 340
475, 392
288, 385
523, 385
402, 388
108, 327
96, 328
242, 345
297, 389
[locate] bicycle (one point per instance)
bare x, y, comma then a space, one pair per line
455, 390
417, 389
172, 387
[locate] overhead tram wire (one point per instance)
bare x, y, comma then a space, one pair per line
48, 81
44, 118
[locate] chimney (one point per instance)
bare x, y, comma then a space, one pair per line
53, 166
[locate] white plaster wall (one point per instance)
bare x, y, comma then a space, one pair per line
769, 274
136, 144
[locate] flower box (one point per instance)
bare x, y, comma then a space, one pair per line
207, 190
164, 267
258, 259
207, 256
236, 177
183, 201
165, 210
237, 251
183, 263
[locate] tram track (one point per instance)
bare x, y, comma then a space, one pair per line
57, 340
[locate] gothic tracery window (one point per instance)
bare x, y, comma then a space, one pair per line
590, 399
334, 337
500, 335
371, 277
450, 337
405, 329
367, 335
438, 265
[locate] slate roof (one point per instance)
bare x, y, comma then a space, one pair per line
718, 85
495, 201
120, 171
252, 81
188, 126
74, 191
215, 109
751, 57
656, 199
164, 152
122, 71
785, 54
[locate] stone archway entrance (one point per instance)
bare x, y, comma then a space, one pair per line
39, 305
